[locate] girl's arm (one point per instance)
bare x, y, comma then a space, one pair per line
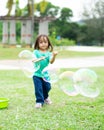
53, 57
39, 59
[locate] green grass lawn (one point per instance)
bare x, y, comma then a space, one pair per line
12, 53
66, 112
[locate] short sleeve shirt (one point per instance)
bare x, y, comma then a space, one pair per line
43, 63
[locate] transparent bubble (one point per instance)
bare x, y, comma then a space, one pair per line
26, 54
86, 83
66, 83
50, 74
26, 65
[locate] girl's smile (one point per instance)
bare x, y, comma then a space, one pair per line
43, 44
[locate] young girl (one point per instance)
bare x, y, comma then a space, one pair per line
43, 51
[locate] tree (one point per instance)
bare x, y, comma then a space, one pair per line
63, 24
94, 19
45, 8
66, 14
18, 11
9, 5
27, 11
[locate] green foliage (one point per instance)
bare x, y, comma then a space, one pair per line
9, 6
67, 30
66, 14
91, 33
45, 8
62, 42
1, 31
43, 5
93, 17
18, 31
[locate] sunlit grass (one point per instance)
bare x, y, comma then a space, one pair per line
66, 112
69, 54
12, 53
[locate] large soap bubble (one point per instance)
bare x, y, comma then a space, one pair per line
50, 74
25, 61
66, 83
85, 82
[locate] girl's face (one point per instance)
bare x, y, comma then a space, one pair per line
43, 44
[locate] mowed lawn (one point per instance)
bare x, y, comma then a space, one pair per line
66, 112
12, 53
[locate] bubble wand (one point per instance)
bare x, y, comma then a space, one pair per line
39, 59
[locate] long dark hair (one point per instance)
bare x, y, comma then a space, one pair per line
36, 45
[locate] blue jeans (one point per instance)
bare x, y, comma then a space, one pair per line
42, 89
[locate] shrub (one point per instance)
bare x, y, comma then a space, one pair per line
62, 42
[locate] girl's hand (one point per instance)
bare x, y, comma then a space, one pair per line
53, 57
55, 53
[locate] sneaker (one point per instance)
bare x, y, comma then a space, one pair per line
38, 105
48, 101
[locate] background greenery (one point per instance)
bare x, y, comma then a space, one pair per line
88, 31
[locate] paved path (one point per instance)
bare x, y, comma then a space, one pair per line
60, 63
65, 63
85, 48
80, 62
